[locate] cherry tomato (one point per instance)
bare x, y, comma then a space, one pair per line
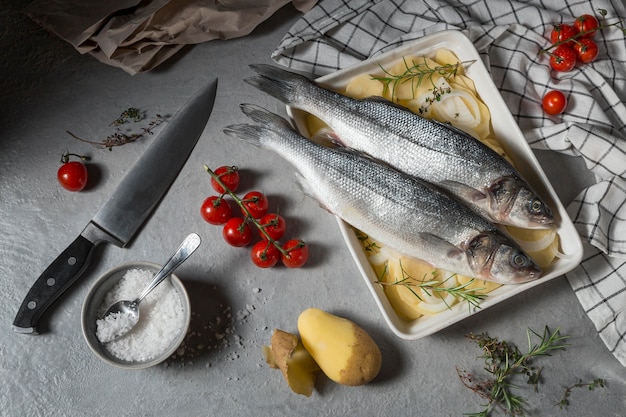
72, 175
216, 210
554, 102
586, 49
274, 225
257, 204
237, 232
563, 58
264, 254
587, 25
297, 253
562, 32
229, 175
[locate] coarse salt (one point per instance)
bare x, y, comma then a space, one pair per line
113, 324
161, 318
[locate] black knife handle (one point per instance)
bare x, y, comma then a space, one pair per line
61, 273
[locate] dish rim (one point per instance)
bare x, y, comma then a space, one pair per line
100, 286
505, 129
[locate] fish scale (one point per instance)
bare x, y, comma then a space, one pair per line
431, 150
407, 214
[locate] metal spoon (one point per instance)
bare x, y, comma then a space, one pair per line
124, 315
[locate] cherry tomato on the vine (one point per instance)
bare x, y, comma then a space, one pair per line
587, 25
563, 58
562, 33
554, 102
257, 204
264, 254
297, 253
586, 49
72, 175
237, 232
274, 225
229, 175
216, 210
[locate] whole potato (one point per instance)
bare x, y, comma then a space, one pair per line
342, 349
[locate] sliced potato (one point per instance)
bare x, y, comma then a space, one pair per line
541, 244
314, 124
363, 86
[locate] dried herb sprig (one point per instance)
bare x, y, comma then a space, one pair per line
415, 73
503, 361
130, 113
596, 383
119, 138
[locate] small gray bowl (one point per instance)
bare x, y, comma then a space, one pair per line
93, 301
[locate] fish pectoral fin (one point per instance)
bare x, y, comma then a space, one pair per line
440, 245
464, 191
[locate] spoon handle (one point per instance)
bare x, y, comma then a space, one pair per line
189, 245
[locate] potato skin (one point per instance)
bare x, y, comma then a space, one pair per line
298, 367
343, 350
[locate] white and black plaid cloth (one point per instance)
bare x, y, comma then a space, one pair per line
509, 34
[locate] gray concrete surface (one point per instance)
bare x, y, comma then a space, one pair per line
48, 88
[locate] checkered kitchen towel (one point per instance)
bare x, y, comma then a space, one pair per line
508, 34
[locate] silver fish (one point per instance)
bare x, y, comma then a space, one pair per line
405, 213
428, 149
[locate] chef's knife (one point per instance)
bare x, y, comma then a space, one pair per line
126, 210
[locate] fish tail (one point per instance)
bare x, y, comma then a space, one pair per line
250, 133
281, 84
271, 126
263, 116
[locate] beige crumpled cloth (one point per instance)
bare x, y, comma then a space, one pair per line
137, 35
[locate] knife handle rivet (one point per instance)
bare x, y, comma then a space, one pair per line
51, 282
71, 260
32, 304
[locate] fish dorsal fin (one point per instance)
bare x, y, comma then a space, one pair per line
453, 128
441, 245
383, 100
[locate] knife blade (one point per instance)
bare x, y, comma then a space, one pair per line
126, 210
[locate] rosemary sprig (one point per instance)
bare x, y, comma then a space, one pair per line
119, 138
503, 361
415, 73
596, 383
436, 286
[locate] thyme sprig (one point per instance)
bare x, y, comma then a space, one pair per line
368, 244
415, 73
596, 383
119, 138
504, 361
435, 286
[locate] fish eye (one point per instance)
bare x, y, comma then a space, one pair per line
519, 260
536, 206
